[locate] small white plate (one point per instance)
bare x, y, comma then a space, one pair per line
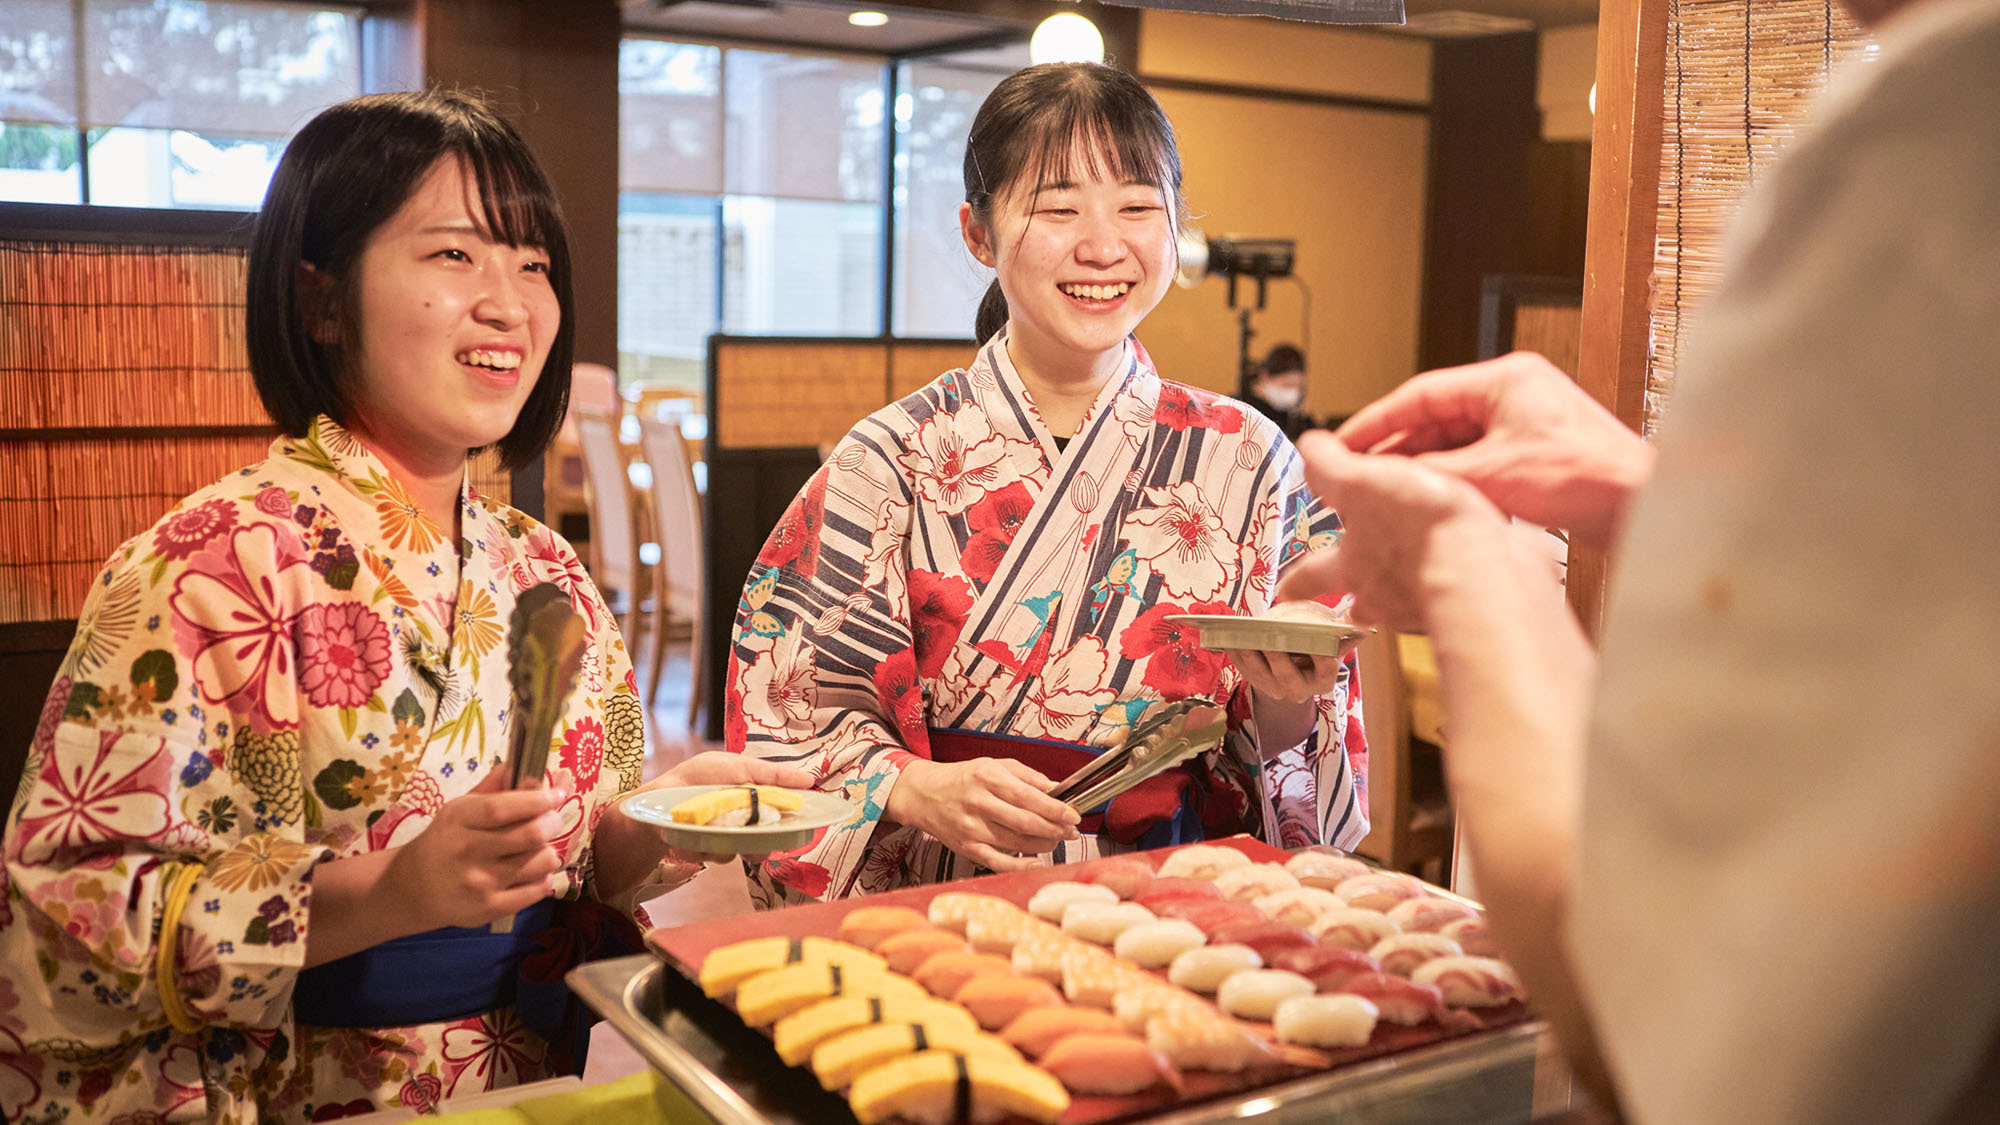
1315, 638
817, 810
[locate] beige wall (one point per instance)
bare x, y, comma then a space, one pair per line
1348, 184
1286, 55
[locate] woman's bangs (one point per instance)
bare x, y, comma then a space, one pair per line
515, 204
1092, 141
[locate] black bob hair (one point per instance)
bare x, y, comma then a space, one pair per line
1043, 122
345, 174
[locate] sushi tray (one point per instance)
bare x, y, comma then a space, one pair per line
1187, 984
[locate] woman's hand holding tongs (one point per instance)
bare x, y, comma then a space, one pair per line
994, 811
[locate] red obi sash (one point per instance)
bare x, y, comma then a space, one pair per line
1167, 799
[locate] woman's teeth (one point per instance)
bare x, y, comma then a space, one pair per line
1097, 292
498, 361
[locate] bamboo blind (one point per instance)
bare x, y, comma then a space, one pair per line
1741, 77
124, 386
791, 395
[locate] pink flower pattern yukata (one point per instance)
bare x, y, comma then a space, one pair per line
293, 666
950, 567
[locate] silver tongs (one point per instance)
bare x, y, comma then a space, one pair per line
545, 645
1169, 735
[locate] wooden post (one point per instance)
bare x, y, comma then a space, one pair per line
1619, 248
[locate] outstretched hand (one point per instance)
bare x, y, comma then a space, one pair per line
1520, 431
996, 812
486, 855
720, 767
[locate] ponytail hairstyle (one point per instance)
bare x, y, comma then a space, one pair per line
1040, 123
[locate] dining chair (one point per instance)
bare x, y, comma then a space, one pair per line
565, 507
614, 537
1410, 820
677, 577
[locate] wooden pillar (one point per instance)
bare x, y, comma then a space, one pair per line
1619, 251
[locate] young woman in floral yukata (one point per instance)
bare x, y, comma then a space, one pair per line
284, 715
972, 595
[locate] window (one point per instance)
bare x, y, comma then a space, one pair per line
163, 103
751, 200
938, 283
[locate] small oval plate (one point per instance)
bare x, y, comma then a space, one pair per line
1261, 634
655, 807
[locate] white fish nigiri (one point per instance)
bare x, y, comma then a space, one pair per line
1246, 884
1154, 945
1255, 995
1050, 899
1102, 922
1204, 970
1333, 1020
1202, 861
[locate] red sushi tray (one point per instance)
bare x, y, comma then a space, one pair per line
684, 947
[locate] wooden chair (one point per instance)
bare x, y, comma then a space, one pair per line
614, 534
1410, 824
678, 589
593, 387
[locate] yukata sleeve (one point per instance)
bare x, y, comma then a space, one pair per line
156, 851
1320, 787
822, 667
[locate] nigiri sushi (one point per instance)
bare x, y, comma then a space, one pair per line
950, 909
737, 806
1398, 999
1168, 888
1472, 936
1208, 914
1327, 966
1402, 953
1206, 1042
1037, 1029
1096, 1063
935, 1088
1125, 875
796, 1035
996, 1000
1326, 1021
1043, 957
1204, 969
1353, 928
1095, 984
837, 1061
1470, 982
997, 931
906, 951
769, 997
1250, 883
1318, 869
1137, 1007
1102, 922
1428, 915
1255, 995
1264, 937
870, 926
1300, 906
728, 966
1154, 945
1379, 890
1050, 898
1202, 861
943, 974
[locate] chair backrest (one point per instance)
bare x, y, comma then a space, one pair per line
676, 515
613, 541
593, 389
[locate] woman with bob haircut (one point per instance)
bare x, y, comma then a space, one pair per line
263, 829
977, 592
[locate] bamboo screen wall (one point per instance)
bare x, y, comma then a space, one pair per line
123, 387
1741, 78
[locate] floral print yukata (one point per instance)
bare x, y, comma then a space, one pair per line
950, 567
295, 665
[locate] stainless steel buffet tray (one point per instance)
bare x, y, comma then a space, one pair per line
731, 1073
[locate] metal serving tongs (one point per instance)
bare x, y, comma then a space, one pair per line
545, 644
1169, 735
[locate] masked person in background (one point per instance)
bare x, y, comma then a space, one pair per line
972, 596
1752, 861
1278, 389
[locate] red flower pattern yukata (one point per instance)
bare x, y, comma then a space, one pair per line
950, 567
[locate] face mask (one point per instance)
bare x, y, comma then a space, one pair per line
1283, 397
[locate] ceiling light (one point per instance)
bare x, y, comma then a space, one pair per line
1066, 37
867, 19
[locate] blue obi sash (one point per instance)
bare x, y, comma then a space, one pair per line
456, 972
